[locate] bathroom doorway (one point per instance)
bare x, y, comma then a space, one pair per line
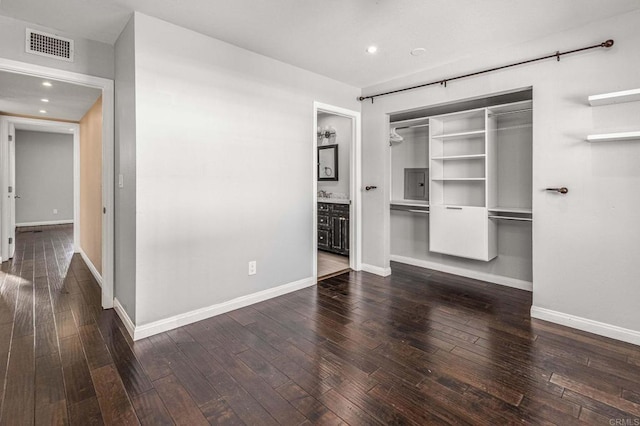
337, 191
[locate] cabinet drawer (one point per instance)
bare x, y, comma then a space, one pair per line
341, 209
323, 221
460, 231
323, 239
324, 207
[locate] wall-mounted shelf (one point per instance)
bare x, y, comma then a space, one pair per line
606, 137
615, 97
460, 157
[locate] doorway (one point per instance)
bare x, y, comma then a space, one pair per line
42, 176
337, 191
106, 134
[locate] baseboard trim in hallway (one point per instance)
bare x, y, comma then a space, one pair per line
160, 326
91, 266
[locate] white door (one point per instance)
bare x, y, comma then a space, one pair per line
12, 190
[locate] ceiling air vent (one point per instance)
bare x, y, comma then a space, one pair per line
49, 45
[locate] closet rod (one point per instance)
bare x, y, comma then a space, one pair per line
520, 219
444, 81
412, 127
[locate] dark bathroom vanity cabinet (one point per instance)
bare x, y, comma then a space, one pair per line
333, 228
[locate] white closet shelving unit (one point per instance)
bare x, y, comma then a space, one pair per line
477, 220
632, 95
463, 183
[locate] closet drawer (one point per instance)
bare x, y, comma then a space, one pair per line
460, 231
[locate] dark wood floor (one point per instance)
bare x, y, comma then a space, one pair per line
419, 347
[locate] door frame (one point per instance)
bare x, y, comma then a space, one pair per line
355, 185
11, 149
107, 88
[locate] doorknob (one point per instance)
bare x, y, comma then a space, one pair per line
369, 188
16, 196
562, 190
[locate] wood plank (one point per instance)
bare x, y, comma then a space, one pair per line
151, 410
77, 378
85, 413
310, 407
19, 402
114, 402
219, 412
182, 409
94, 347
604, 397
246, 407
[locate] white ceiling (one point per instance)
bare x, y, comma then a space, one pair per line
22, 94
330, 36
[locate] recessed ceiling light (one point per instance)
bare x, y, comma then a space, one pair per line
418, 51
44, 100
46, 84
71, 130
372, 49
43, 111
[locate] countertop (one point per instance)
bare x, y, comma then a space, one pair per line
334, 200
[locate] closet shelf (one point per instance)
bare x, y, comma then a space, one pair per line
459, 135
411, 203
458, 179
623, 136
615, 97
460, 157
510, 210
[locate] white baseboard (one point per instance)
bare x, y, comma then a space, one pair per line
383, 272
44, 223
91, 266
584, 324
146, 330
128, 324
483, 276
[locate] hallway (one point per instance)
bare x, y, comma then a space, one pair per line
50, 311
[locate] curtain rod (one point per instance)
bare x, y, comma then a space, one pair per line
443, 82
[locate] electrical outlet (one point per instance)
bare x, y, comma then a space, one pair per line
55, 211
252, 267
120, 181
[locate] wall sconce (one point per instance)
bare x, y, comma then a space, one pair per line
326, 135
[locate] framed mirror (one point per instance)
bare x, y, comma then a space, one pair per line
328, 162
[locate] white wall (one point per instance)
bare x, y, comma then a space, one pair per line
44, 177
343, 139
91, 57
224, 169
585, 244
125, 164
